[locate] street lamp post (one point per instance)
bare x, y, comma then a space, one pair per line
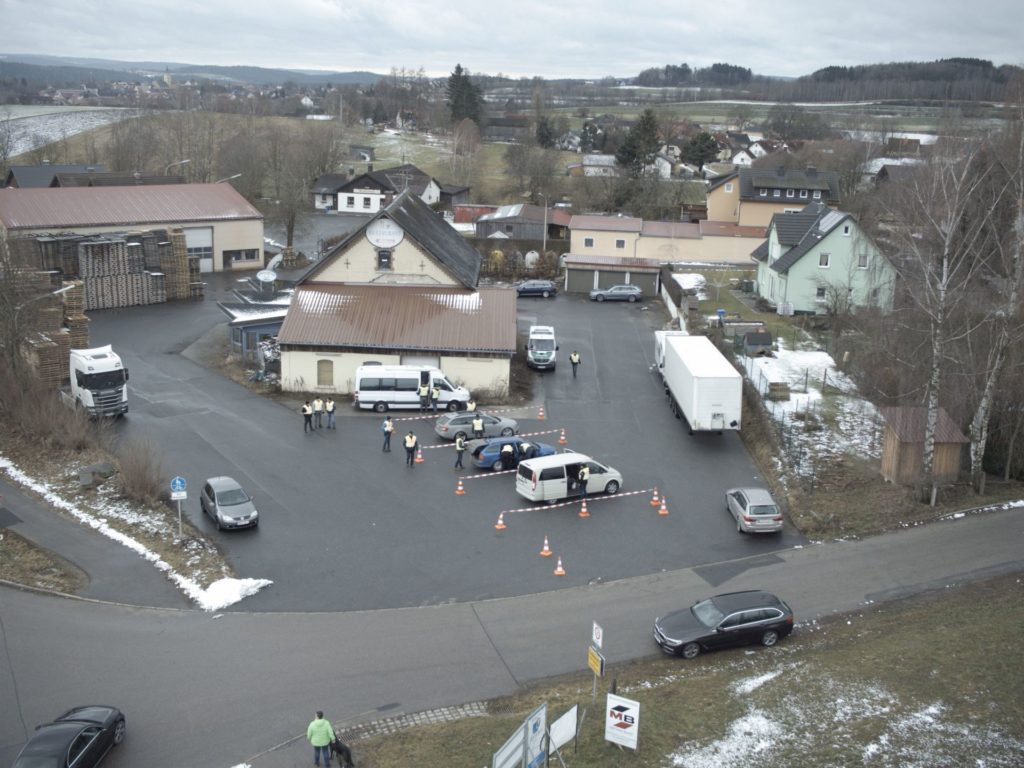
168, 167
15, 331
227, 178
544, 240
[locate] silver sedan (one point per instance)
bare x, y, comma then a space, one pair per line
451, 425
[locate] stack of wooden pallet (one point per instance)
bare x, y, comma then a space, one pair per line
114, 273
74, 315
174, 263
48, 359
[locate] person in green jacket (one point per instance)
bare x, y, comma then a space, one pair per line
320, 734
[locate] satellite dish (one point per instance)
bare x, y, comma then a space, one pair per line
266, 275
274, 262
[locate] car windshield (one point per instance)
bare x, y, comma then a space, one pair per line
544, 345
764, 509
232, 497
707, 613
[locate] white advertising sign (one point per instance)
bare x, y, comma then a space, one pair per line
536, 726
622, 721
563, 730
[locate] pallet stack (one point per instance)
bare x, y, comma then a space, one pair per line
176, 265
114, 273
74, 315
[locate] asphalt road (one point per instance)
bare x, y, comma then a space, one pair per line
345, 527
216, 690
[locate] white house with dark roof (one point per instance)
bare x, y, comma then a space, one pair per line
820, 260
400, 290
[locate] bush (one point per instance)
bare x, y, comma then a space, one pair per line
141, 471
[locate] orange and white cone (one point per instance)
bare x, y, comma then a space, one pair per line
559, 570
654, 499
561, 439
419, 456
546, 552
541, 414
460, 490
583, 509
500, 525
663, 511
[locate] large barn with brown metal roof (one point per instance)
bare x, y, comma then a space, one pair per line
222, 229
400, 290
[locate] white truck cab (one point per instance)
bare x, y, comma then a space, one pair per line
98, 382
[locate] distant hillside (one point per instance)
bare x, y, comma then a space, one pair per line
64, 70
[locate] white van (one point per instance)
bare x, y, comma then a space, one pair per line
553, 478
383, 387
541, 347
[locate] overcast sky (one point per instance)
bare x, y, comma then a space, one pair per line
548, 38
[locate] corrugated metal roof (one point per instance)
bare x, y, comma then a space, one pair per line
402, 317
57, 207
908, 422
728, 229
607, 223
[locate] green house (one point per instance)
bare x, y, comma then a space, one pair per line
819, 261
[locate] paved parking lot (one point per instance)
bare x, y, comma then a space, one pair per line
345, 527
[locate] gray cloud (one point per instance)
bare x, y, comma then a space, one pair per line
524, 38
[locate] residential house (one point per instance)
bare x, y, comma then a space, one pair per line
742, 157
113, 180
754, 195
401, 289
372, 191
222, 229
325, 190
510, 128
820, 260
29, 176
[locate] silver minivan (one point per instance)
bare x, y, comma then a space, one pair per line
553, 478
542, 348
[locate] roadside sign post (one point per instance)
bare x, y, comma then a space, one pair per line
178, 494
595, 660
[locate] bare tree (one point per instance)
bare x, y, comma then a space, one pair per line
938, 251
465, 143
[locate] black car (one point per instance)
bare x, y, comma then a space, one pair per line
545, 288
724, 621
81, 738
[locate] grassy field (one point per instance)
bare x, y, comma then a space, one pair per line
933, 680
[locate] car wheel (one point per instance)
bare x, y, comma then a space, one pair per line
498, 466
546, 294
600, 298
739, 527
216, 520
458, 435
612, 487
691, 651
453, 405
507, 432
632, 299
380, 407
119, 732
769, 638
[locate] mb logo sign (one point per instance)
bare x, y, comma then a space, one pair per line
622, 721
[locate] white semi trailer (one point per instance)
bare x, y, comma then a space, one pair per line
98, 382
703, 387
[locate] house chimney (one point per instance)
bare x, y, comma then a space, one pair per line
369, 167
811, 171
781, 171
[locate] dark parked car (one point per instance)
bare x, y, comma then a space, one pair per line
80, 738
617, 293
487, 453
545, 288
451, 425
724, 621
227, 503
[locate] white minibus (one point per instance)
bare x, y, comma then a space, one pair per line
383, 387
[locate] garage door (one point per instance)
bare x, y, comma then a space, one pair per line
199, 243
646, 280
433, 362
579, 280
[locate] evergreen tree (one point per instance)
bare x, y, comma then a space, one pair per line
545, 134
641, 145
464, 98
701, 149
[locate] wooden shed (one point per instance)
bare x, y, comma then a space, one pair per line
904, 445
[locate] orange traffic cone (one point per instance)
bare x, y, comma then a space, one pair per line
500, 525
541, 414
546, 552
664, 510
654, 499
562, 440
419, 456
583, 509
559, 570
460, 490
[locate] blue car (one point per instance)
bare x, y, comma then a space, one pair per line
486, 453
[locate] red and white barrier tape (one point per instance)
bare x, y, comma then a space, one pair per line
590, 499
